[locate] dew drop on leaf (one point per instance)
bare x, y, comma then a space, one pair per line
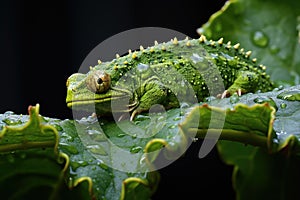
120, 135
290, 95
7, 113
260, 39
135, 149
275, 141
177, 118
274, 49
66, 137
76, 164
234, 98
281, 133
103, 166
172, 126
12, 120
261, 100
97, 149
210, 98
283, 105
184, 105
96, 135
280, 87
57, 127
69, 148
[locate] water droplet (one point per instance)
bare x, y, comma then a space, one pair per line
234, 98
103, 166
96, 135
209, 99
280, 87
156, 108
137, 122
57, 127
97, 149
183, 83
76, 164
143, 160
172, 126
134, 136
227, 57
275, 141
261, 100
177, 118
70, 182
184, 105
69, 148
7, 113
260, 39
290, 95
135, 149
274, 49
88, 120
141, 117
120, 135
283, 105
142, 67
196, 58
12, 120
281, 133
66, 137
214, 55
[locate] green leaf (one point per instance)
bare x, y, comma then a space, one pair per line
91, 163
150, 135
241, 123
118, 158
268, 168
270, 29
269, 120
44, 157
260, 175
30, 164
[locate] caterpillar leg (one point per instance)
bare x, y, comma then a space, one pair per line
227, 94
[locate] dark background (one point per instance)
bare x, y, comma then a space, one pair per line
43, 42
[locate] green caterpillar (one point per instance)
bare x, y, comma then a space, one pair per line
160, 74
